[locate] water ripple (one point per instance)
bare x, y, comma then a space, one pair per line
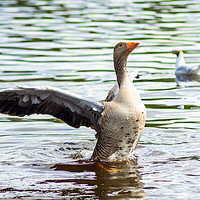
69, 44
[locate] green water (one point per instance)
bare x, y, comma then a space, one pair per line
69, 45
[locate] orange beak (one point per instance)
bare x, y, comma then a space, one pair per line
132, 45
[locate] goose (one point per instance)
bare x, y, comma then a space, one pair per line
118, 121
182, 68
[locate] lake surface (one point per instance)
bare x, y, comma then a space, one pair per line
69, 45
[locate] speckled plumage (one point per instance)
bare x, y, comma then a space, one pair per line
121, 124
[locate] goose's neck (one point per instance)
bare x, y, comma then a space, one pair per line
120, 70
180, 60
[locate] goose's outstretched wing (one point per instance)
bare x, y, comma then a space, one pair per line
64, 105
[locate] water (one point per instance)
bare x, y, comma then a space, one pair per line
69, 44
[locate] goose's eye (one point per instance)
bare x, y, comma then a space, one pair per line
120, 45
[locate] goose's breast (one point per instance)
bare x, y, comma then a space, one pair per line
122, 125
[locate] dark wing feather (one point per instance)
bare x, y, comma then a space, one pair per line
68, 107
112, 93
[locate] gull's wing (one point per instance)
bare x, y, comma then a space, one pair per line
64, 105
195, 69
188, 69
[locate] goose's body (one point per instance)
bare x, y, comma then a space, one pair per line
182, 68
119, 122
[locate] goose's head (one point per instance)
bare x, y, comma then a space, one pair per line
123, 49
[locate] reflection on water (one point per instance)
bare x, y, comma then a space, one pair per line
183, 80
114, 181
69, 44
89, 180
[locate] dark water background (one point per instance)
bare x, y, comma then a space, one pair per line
69, 44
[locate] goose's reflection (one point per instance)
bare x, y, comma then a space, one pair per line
183, 79
111, 180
